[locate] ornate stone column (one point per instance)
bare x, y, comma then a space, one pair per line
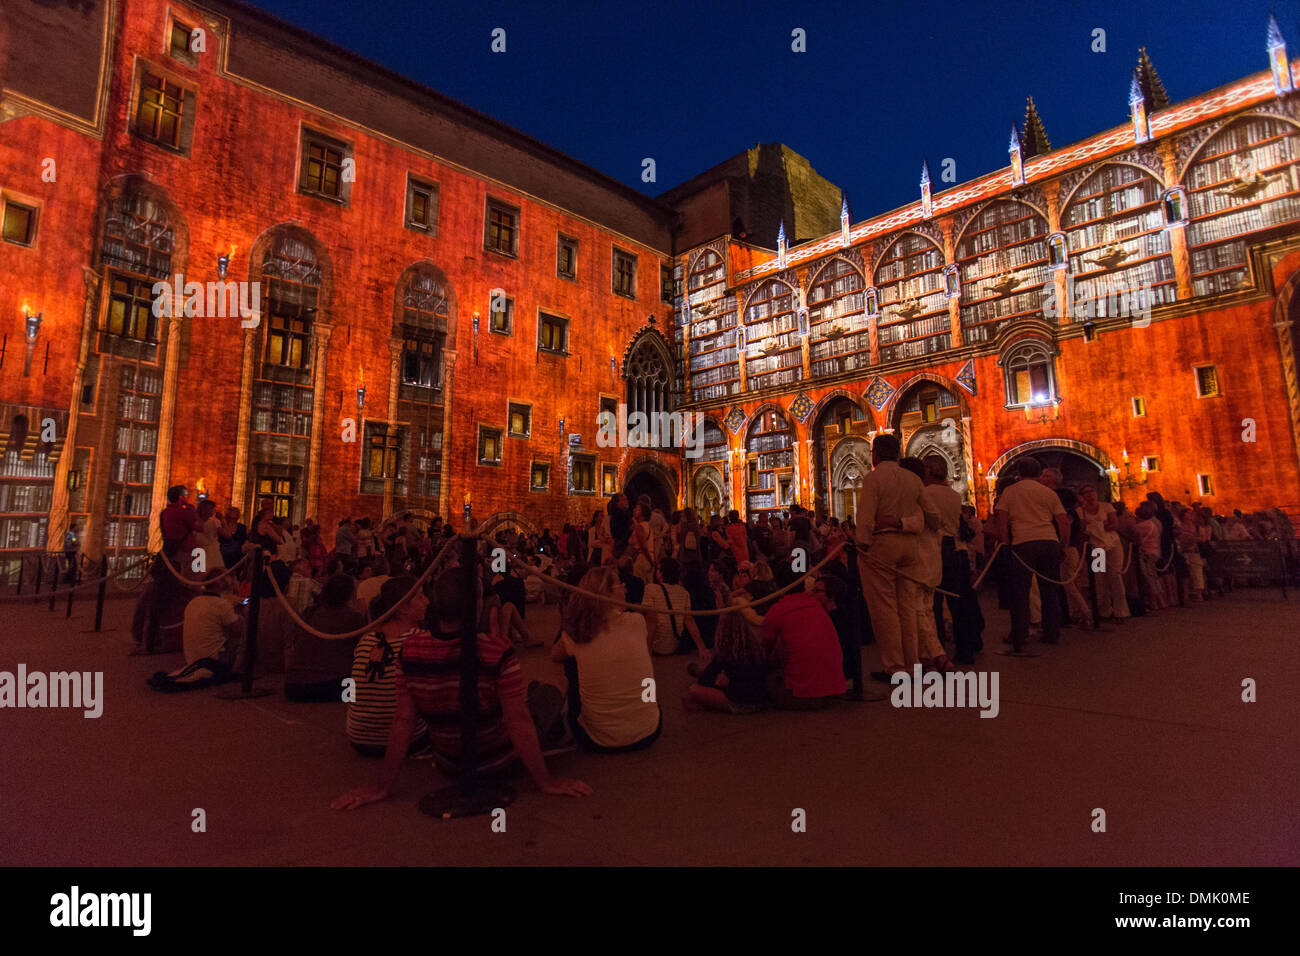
394, 365
244, 424
444, 473
323, 332
968, 454
58, 524
162, 472
1167, 150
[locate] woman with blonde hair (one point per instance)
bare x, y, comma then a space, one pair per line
606, 660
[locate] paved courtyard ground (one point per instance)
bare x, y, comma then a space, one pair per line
1146, 723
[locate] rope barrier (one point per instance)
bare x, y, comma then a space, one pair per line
988, 566
1044, 577
372, 625
75, 587
199, 585
711, 612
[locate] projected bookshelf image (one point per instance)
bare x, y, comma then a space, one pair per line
769, 462
1004, 266
913, 307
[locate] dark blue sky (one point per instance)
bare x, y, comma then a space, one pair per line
882, 84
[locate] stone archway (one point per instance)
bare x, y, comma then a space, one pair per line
944, 442
650, 477
1079, 463
839, 418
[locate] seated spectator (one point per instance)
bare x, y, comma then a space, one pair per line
736, 679
669, 630
430, 686
374, 672
606, 658
806, 647
303, 588
372, 582
212, 642
317, 666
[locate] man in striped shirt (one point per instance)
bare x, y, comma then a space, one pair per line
428, 684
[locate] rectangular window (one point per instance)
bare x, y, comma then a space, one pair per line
552, 333
520, 420
608, 404
130, 310
489, 445
609, 479
1207, 381
19, 223
666, 284
539, 477
421, 206
1205, 484
279, 491
383, 444
624, 274
179, 43
566, 257
582, 472
323, 167
287, 339
1139, 407
501, 233
160, 111
502, 314
420, 359
1152, 462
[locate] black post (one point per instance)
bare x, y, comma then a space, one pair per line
250, 634
40, 573
54, 580
469, 796
103, 590
21, 562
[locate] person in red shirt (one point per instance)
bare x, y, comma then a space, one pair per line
807, 649
178, 521
737, 537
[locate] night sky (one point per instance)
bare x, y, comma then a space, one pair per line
881, 85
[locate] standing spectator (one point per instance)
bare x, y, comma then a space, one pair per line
889, 554
1032, 521
232, 543
179, 522
1102, 527
954, 561
737, 537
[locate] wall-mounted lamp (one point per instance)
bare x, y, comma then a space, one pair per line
1089, 330
31, 328
31, 325
561, 426
74, 479
223, 261
361, 397
476, 321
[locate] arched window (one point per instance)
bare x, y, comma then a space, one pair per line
1005, 268
649, 381
425, 311
1119, 247
771, 331
714, 367
913, 303
715, 442
1245, 179
837, 324
137, 250
1030, 372
293, 279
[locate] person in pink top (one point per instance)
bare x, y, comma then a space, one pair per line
806, 648
1148, 529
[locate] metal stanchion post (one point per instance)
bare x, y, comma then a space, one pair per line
246, 688
469, 796
103, 590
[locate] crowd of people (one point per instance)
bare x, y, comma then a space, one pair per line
787, 603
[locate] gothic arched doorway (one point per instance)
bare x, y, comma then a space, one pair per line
708, 498
1078, 468
839, 434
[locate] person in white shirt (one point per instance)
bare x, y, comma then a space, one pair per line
890, 514
606, 662
669, 629
1032, 521
370, 587
1099, 519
